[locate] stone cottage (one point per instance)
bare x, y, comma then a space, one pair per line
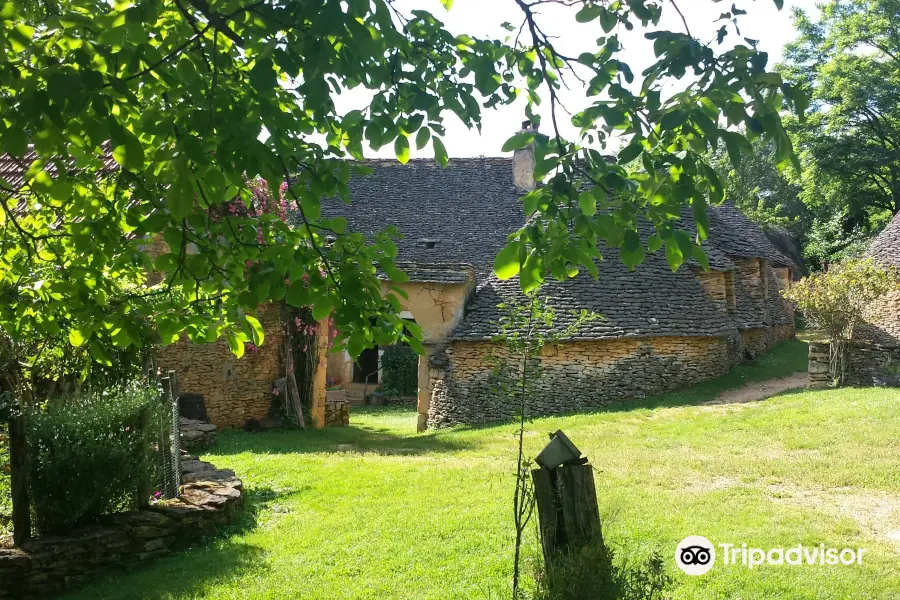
661, 330
876, 359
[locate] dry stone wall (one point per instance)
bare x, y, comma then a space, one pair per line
758, 341
234, 390
576, 376
47, 566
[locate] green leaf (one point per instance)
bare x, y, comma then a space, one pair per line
632, 251
587, 203
77, 337
519, 140
532, 275
401, 148
99, 353
440, 152
448, 4
630, 152
588, 13
297, 295
674, 255
506, 265
180, 198
235, 344
322, 308
129, 153
256, 331
779, 4
422, 138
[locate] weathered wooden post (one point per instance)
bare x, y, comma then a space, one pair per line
566, 498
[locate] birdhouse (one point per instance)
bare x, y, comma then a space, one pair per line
560, 451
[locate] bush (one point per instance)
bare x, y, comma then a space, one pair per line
399, 371
590, 573
87, 455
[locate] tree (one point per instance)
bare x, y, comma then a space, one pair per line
835, 301
849, 61
197, 100
762, 192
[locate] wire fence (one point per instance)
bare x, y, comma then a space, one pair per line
167, 446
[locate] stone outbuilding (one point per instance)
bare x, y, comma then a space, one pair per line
876, 358
660, 330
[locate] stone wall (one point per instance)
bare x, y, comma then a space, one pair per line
873, 364
758, 341
870, 365
234, 390
750, 271
818, 366
714, 284
576, 376
47, 566
786, 331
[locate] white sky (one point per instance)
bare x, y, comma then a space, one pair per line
482, 18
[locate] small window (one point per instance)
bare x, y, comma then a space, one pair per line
429, 243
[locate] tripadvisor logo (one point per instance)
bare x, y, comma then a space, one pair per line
696, 555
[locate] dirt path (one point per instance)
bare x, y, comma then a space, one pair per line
761, 390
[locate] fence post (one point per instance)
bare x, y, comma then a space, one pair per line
21, 504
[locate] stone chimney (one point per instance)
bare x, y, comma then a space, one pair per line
523, 162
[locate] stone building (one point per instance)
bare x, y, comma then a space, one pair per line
876, 359
660, 330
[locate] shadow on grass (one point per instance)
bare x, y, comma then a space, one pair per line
785, 359
187, 573
354, 438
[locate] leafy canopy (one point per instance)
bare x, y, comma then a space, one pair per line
196, 100
849, 62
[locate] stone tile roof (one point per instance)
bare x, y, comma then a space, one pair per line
649, 301
460, 214
12, 170
886, 247
736, 235
435, 273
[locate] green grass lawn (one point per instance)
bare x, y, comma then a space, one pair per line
378, 511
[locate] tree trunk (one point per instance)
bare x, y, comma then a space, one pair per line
21, 505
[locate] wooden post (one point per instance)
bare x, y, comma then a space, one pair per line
144, 484
567, 508
21, 505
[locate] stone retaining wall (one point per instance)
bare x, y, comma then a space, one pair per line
576, 376
47, 566
870, 365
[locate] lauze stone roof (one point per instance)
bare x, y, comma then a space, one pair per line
464, 213
886, 247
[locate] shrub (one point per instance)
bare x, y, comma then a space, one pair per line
399, 371
87, 455
590, 573
835, 301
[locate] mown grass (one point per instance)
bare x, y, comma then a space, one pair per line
378, 511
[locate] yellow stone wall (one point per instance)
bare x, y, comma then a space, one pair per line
714, 285
234, 390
